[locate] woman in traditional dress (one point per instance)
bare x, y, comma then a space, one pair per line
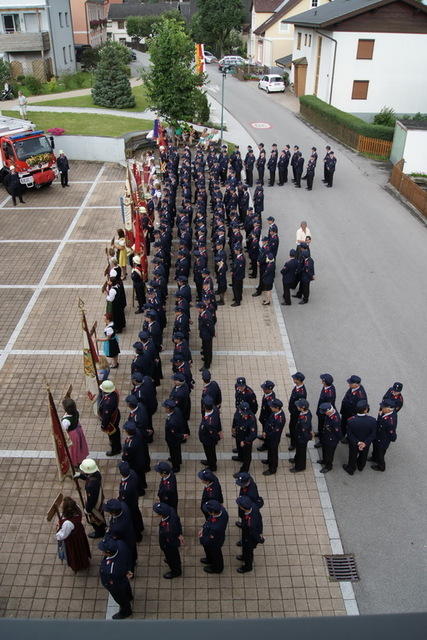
102, 366
110, 344
71, 426
73, 545
121, 251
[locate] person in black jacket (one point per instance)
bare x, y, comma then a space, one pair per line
299, 168
247, 487
272, 433
134, 452
180, 394
210, 432
138, 284
306, 276
175, 435
128, 493
268, 276
120, 526
251, 532
272, 165
63, 168
282, 164
294, 161
353, 395
89, 472
298, 392
170, 538
260, 165
212, 536
206, 333
303, 435
330, 435
395, 393
245, 432
327, 394
115, 571
13, 185
249, 166
361, 431
167, 491
211, 389
289, 272
238, 271
386, 433
211, 489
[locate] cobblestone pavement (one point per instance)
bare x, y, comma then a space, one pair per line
52, 250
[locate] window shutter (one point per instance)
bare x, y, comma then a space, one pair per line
360, 90
365, 49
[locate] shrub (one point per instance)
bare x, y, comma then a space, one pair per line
336, 116
201, 106
33, 85
386, 116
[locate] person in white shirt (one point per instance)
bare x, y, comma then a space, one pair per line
22, 102
302, 232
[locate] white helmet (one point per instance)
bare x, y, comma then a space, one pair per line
88, 466
107, 386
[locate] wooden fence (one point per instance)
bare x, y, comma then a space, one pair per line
408, 188
373, 146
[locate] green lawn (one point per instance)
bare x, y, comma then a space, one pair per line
86, 101
82, 124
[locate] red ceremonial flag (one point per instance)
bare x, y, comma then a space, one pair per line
60, 446
137, 225
199, 58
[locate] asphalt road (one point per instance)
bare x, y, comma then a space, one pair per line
367, 316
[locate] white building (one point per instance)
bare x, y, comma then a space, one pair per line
36, 37
119, 13
362, 55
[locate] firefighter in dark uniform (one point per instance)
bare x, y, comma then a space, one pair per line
395, 393
115, 571
272, 432
251, 532
325, 170
247, 487
245, 432
353, 395
294, 161
330, 434
134, 452
120, 527
128, 493
211, 489
212, 536
175, 434
138, 283
210, 432
206, 333
303, 435
282, 164
170, 538
260, 165
109, 414
386, 433
272, 165
298, 392
327, 394
361, 432
268, 394
238, 275
290, 272
211, 389
311, 165
330, 168
249, 166
89, 472
167, 491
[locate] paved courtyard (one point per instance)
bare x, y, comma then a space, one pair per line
52, 253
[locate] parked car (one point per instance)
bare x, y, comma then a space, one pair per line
271, 83
133, 55
209, 57
231, 61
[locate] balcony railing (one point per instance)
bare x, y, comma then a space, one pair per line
24, 41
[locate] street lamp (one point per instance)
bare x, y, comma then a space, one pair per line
224, 73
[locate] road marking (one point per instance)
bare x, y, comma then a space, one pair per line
4, 201
99, 206
55, 240
156, 455
214, 88
131, 352
39, 288
260, 125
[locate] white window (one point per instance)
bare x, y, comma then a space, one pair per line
70, 53
64, 53
283, 27
314, 3
66, 18
60, 19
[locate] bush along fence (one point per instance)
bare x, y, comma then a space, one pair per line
408, 188
372, 139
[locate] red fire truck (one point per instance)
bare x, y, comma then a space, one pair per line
29, 151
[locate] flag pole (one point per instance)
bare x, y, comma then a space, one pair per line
89, 338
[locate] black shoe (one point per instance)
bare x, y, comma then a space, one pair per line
308, 188
268, 473
210, 570
317, 445
176, 469
138, 311
297, 295
121, 615
288, 435
296, 470
204, 561
291, 448
205, 462
371, 459
256, 294
113, 453
171, 574
239, 558
329, 186
262, 448
238, 524
303, 302
376, 467
236, 459
264, 461
324, 470
286, 304
347, 469
234, 450
220, 303
320, 462
344, 440
244, 569
94, 535
235, 304
292, 460
239, 543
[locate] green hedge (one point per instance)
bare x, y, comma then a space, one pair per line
346, 119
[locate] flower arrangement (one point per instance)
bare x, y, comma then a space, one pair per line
40, 158
56, 131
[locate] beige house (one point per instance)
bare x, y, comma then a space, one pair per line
271, 37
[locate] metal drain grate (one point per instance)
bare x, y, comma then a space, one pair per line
342, 567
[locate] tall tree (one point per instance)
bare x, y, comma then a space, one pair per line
215, 20
171, 84
112, 87
143, 26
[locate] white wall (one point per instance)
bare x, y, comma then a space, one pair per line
414, 154
95, 148
396, 74
62, 37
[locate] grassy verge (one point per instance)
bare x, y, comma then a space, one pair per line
82, 124
87, 101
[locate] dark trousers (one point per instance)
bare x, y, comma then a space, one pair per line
330, 178
272, 456
14, 198
298, 175
305, 290
250, 177
215, 558
283, 175
64, 178
123, 596
320, 423
300, 456
328, 452
310, 178
261, 176
357, 459
247, 553
210, 453
261, 273
272, 177
207, 351
344, 419
254, 267
378, 454
175, 455
173, 559
115, 442
294, 172
293, 419
137, 521
245, 455
325, 173
237, 290
142, 483
287, 293
147, 459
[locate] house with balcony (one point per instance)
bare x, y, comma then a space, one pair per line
89, 22
36, 37
363, 55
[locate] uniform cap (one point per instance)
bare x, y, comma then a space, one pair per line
208, 402
124, 468
270, 219
162, 509
107, 386
241, 382
212, 506
244, 406
268, 384
88, 466
298, 376
206, 474
130, 427
131, 399
398, 386
354, 380
245, 502
136, 259
163, 467
201, 305
151, 313
327, 378
388, 402
206, 375
292, 253
302, 404
137, 376
108, 545
112, 505
362, 405
243, 478
138, 346
276, 403
178, 334
179, 377
324, 407
170, 404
